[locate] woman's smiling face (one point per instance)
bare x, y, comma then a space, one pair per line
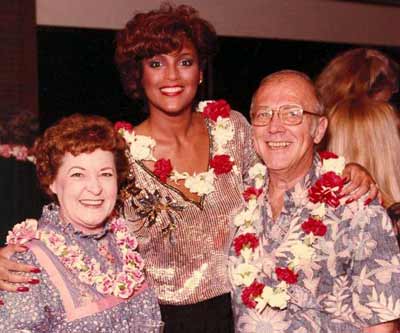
86, 189
170, 81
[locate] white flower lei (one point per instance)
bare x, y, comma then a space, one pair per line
120, 284
247, 266
141, 149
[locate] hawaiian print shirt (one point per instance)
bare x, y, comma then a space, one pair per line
352, 282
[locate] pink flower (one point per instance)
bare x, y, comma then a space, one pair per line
20, 153
251, 292
216, 109
221, 164
123, 125
123, 286
138, 276
133, 260
251, 193
22, 232
5, 151
129, 242
248, 240
106, 285
118, 225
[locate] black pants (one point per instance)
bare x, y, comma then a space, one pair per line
210, 316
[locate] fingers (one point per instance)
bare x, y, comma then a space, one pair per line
12, 287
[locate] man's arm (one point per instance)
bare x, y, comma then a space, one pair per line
388, 327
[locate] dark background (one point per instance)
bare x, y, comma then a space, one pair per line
77, 72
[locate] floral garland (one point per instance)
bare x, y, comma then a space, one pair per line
141, 149
19, 152
120, 284
247, 266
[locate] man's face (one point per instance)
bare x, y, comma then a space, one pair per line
288, 149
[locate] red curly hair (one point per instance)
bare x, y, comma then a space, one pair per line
160, 31
77, 134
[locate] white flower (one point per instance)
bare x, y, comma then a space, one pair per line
202, 105
317, 209
244, 274
301, 251
247, 217
222, 132
203, 183
23, 232
257, 172
333, 164
140, 146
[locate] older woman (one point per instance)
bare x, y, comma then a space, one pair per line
189, 161
91, 275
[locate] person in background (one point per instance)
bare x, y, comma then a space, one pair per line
364, 131
91, 275
189, 161
306, 259
20, 195
357, 73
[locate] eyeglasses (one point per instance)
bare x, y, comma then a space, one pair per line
289, 114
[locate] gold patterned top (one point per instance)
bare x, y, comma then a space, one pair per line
185, 243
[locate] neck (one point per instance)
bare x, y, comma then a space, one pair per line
78, 227
167, 126
281, 181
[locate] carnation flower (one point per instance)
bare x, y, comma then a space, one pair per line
221, 164
244, 274
216, 109
248, 240
258, 172
314, 226
22, 232
250, 293
327, 189
162, 169
286, 274
203, 183
327, 155
251, 193
123, 125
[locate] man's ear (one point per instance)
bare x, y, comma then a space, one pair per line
320, 130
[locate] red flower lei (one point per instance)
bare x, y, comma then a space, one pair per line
162, 169
327, 191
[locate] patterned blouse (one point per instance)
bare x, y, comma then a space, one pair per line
61, 303
352, 282
189, 264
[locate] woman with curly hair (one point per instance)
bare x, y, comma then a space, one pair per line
91, 275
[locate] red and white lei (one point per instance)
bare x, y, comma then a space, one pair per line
222, 131
120, 284
246, 268
19, 152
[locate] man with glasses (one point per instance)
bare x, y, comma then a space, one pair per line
306, 259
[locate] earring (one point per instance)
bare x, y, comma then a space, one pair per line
200, 81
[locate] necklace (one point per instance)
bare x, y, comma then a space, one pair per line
246, 268
120, 284
222, 131
19, 152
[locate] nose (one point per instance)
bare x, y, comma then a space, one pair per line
275, 125
93, 185
172, 72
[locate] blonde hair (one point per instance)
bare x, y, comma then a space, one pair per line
357, 73
365, 131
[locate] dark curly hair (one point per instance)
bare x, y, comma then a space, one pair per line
77, 134
18, 127
160, 31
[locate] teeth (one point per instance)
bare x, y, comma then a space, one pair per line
91, 202
171, 89
280, 144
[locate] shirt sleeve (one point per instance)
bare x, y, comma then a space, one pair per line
26, 311
375, 266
